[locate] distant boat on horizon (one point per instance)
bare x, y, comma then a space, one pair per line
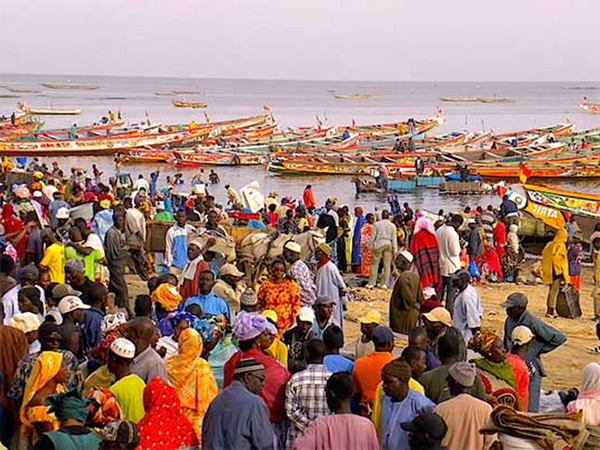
48, 111
79, 87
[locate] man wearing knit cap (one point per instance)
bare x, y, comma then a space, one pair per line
300, 273
399, 404
464, 414
407, 296
248, 301
237, 417
546, 339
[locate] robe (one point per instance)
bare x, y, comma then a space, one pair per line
329, 281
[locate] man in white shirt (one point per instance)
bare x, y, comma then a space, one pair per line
449, 246
385, 245
467, 305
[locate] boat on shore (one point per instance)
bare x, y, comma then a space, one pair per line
78, 87
186, 104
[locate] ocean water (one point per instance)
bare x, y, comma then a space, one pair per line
297, 103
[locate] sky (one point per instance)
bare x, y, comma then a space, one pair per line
379, 40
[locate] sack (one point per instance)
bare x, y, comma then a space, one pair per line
567, 304
474, 270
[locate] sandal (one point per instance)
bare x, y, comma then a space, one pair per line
551, 315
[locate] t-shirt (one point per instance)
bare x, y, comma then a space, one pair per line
129, 392
367, 373
338, 363
54, 260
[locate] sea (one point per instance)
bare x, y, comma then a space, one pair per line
300, 103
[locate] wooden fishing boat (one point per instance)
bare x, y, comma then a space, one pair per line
459, 99
145, 155
79, 87
496, 100
353, 96
53, 112
539, 171
22, 91
187, 159
188, 92
509, 154
165, 94
186, 104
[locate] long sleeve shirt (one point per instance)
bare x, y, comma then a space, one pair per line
176, 246
384, 233
449, 245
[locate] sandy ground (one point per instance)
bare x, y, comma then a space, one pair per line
563, 365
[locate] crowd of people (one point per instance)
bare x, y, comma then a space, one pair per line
203, 358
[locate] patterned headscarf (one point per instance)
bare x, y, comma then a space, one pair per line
248, 326
482, 342
167, 296
68, 405
103, 407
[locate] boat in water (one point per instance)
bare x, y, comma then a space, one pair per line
48, 111
185, 104
78, 87
594, 108
353, 96
477, 99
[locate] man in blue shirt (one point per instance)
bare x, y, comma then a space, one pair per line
209, 302
176, 243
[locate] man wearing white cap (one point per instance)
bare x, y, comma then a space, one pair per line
521, 336
228, 286
296, 337
407, 296
128, 388
300, 273
72, 310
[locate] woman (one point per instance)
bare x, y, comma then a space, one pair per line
500, 238
555, 269
192, 378
280, 294
47, 378
164, 426
14, 230
366, 246
103, 408
588, 400
496, 373
424, 247
180, 321
491, 269
574, 255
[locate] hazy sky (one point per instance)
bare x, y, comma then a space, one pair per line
453, 40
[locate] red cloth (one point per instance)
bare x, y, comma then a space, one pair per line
272, 215
163, 426
190, 288
309, 199
13, 225
277, 376
500, 238
491, 258
522, 377
424, 247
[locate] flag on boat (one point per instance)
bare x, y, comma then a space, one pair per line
524, 173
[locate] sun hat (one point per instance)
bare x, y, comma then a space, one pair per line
123, 347
26, 322
71, 303
325, 248
230, 269
521, 335
515, 299
306, 314
372, 316
293, 246
63, 213
62, 290
439, 314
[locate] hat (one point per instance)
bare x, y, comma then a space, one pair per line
22, 192
429, 423
37, 194
293, 246
372, 316
382, 335
62, 290
38, 174
230, 269
75, 264
63, 213
123, 347
121, 432
521, 335
112, 321
197, 242
324, 248
463, 373
439, 314
247, 365
248, 297
515, 299
271, 315
462, 275
27, 322
71, 303
407, 255
105, 204
159, 205
324, 300
306, 314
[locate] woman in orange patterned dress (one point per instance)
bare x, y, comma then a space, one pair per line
366, 251
280, 294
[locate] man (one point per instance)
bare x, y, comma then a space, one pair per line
596, 278
364, 343
437, 323
26, 276
212, 225
147, 364
238, 418
418, 338
229, 286
416, 358
488, 220
449, 246
296, 337
426, 431
509, 211
161, 214
128, 387
464, 414
92, 318
233, 197
54, 256
356, 237
91, 242
74, 271
329, 282
141, 183
419, 166
135, 236
329, 220
407, 296
249, 301
300, 273
521, 336
367, 370
209, 302
435, 381
176, 244
103, 220
308, 197
546, 339
324, 307
59, 292
399, 404
190, 276
385, 246
57, 203
467, 305
555, 269
341, 429
72, 310
305, 392
116, 257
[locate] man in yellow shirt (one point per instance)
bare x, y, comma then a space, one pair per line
54, 256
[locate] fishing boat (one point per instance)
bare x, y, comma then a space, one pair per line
22, 91
192, 159
53, 112
185, 104
459, 99
79, 87
353, 96
594, 108
576, 170
165, 94
496, 100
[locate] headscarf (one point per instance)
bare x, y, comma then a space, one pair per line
167, 296
103, 407
68, 405
555, 260
190, 375
163, 426
482, 342
178, 316
591, 378
248, 326
45, 368
424, 224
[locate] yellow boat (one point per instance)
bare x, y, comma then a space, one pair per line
184, 104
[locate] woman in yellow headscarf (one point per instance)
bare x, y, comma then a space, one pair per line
555, 269
47, 377
192, 378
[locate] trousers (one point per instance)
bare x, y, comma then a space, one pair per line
384, 252
596, 299
449, 293
553, 293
